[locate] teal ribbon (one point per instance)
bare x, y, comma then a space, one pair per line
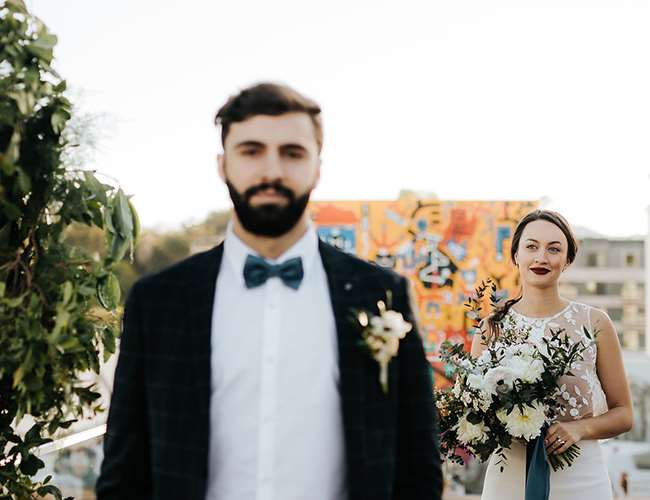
538, 471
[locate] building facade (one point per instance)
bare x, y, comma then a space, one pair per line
610, 274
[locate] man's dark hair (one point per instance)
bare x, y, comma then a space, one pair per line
267, 99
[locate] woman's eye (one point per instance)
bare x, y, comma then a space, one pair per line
554, 250
531, 247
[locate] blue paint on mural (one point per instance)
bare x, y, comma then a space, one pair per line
503, 233
342, 237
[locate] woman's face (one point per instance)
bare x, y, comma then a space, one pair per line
542, 254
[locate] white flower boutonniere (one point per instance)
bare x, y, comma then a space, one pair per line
381, 335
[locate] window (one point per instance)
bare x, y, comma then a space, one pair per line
616, 313
630, 260
609, 289
631, 312
592, 259
631, 340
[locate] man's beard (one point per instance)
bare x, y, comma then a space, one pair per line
268, 219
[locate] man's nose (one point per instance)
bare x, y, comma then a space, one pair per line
271, 168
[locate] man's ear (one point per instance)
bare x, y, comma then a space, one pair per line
222, 166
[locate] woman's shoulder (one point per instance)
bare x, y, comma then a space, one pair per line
595, 313
598, 320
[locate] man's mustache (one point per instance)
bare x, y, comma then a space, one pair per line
276, 185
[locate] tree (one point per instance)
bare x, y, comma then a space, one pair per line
58, 304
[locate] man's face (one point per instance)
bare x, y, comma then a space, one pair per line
270, 165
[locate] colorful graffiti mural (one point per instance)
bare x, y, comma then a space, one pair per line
444, 247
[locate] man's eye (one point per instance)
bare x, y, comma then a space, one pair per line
294, 154
249, 152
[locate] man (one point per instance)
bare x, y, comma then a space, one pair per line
241, 375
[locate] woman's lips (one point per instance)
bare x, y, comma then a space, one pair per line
540, 270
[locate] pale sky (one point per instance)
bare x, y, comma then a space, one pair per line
468, 99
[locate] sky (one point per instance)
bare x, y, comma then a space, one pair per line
538, 100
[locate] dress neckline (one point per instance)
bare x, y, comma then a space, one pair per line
543, 318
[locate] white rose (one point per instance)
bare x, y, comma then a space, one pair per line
525, 424
526, 369
468, 432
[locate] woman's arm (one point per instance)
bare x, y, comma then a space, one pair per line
611, 373
477, 341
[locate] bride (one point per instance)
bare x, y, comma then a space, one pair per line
595, 401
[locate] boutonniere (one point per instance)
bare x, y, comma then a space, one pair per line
381, 334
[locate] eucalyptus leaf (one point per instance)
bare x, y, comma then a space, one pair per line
24, 182
94, 186
59, 119
108, 292
123, 216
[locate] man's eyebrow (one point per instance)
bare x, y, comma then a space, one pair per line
293, 146
249, 143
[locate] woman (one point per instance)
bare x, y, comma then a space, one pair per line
596, 402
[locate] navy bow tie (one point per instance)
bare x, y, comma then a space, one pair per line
257, 271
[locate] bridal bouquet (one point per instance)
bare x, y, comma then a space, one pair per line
510, 392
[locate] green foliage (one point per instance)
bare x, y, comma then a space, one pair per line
58, 304
156, 249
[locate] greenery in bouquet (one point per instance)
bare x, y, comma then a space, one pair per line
510, 392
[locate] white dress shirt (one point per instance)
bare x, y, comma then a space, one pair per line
276, 430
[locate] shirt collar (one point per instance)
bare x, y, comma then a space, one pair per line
235, 251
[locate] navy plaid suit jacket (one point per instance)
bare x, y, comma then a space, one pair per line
156, 445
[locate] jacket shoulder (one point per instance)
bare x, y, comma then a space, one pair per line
192, 269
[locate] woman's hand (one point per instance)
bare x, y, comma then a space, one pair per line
561, 435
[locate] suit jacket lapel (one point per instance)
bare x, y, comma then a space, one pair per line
343, 289
200, 303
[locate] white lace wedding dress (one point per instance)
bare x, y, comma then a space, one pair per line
582, 397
